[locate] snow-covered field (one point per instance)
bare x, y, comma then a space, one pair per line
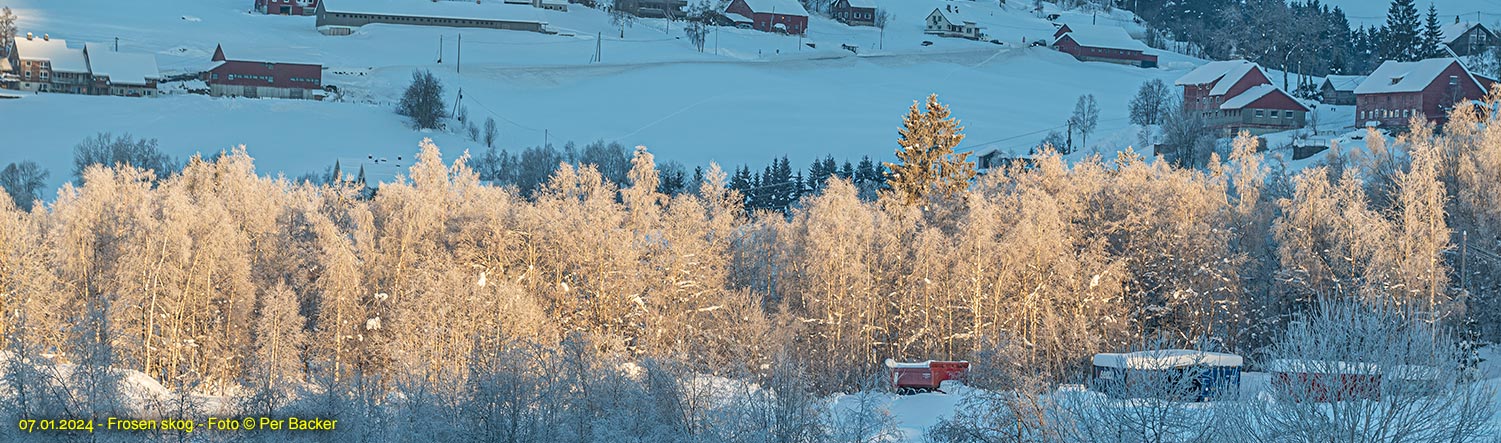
762, 96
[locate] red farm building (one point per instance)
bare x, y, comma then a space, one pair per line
286, 7
786, 16
1102, 44
242, 78
1398, 90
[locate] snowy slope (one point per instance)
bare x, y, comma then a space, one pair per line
762, 96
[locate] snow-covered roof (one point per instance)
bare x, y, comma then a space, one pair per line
1345, 82
783, 7
1211, 71
53, 50
1453, 31
1256, 93
1104, 37
953, 16
444, 9
738, 18
862, 3
1394, 76
122, 67
1167, 358
915, 365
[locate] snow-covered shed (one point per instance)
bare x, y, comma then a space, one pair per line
1176, 374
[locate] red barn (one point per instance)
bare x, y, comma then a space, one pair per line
1398, 90
1103, 44
240, 78
1211, 85
1260, 110
286, 7
787, 16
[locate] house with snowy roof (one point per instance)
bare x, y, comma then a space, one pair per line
125, 74
785, 16
854, 12
949, 22
1102, 44
286, 7
1236, 96
46, 64
1468, 38
1397, 91
1259, 110
1210, 85
1339, 89
244, 78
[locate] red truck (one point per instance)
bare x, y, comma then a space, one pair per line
927, 376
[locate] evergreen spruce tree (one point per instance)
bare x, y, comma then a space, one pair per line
1433, 35
927, 165
1401, 38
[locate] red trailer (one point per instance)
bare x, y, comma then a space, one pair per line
927, 376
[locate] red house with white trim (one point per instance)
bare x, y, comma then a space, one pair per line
1209, 86
786, 16
1237, 96
241, 78
286, 7
1398, 90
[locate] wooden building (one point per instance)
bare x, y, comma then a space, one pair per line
1468, 38
243, 78
341, 17
1260, 110
1103, 44
41, 63
128, 74
1210, 85
1396, 91
949, 22
287, 7
854, 12
785, 16
1339, 89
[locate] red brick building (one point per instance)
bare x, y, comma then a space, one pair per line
1398, 90
787, 16
240, 78
286, 7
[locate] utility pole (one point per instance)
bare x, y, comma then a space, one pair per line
117, 44
716, 39
440, 49
545, 137
458, 65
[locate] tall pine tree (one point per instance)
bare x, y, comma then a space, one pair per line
1401, 38
1433, 35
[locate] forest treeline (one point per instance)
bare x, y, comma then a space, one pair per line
217, 279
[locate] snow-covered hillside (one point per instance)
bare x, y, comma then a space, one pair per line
762, 96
